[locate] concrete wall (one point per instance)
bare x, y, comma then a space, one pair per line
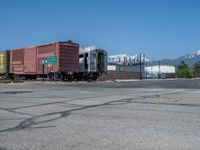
110, 75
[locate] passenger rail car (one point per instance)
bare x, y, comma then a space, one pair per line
92, 63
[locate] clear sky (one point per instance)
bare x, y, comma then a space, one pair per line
159, 28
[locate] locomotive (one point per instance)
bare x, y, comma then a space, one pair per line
34, 62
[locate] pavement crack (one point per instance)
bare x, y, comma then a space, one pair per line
49, 117
15, 92
16, 112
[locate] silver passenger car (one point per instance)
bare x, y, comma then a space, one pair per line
92, 62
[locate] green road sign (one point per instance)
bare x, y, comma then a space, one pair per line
50, 60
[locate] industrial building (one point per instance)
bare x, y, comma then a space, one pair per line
126, 67
135, 68
160, 71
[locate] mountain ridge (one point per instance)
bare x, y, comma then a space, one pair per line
189, 58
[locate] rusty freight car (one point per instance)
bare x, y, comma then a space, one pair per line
30, 62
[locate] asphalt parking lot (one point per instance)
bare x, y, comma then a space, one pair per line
153, 115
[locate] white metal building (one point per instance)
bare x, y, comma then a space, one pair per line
135, 68
163, 70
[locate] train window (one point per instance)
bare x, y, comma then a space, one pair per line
81, 56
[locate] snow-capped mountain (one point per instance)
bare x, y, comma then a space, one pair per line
191, 55
189, 58
126, 59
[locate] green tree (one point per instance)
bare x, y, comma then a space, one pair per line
183, 71
196, 69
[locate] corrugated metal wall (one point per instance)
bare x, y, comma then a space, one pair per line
69, 57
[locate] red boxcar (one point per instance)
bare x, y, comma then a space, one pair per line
17, 61
28, 62
30, 65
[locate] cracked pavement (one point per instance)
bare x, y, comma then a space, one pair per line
110, 116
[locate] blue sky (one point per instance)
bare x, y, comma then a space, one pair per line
159, 28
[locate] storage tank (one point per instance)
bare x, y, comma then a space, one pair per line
4, 62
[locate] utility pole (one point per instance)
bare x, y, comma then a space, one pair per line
140, 66
144, 64
47, 71
43, 71
54, 75
159, 75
